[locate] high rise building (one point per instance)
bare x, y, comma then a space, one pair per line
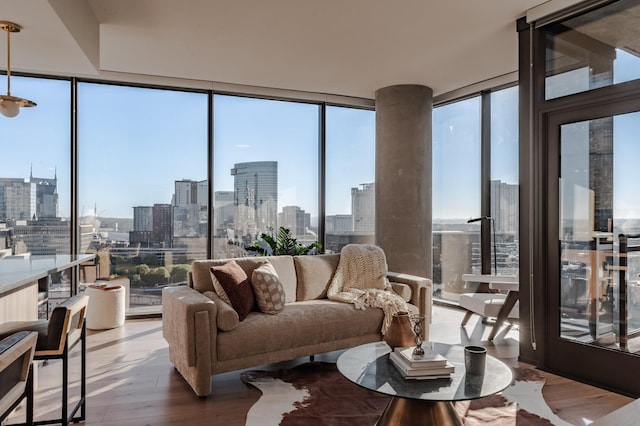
187, 208
255, 190
363, 207
295, 219
162, 229
17, 199
223, 213
339, 223
142, 226
46, 196
504, 208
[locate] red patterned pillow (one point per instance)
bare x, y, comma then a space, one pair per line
237, 286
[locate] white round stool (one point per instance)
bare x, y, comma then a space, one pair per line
106, 308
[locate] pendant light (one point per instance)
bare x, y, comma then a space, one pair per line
10, 105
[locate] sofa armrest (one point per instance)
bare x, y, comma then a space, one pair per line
188, 321
421, 294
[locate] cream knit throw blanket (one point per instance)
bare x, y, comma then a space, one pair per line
361, 279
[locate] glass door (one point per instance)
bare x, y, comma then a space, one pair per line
594, 291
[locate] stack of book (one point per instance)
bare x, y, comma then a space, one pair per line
430, 366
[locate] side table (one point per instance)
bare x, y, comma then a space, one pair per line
106, 307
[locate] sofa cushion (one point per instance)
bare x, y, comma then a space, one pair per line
267, 289
226, 318
237, 286
299, 324
314, 274
283, 264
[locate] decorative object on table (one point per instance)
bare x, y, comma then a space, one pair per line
475, 358
417, 321
315, 393
400, 332
431, 365
10, 105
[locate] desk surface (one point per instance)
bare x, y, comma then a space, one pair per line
19, 271
369, 366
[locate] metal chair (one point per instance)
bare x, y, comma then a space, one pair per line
16, 373
56, 337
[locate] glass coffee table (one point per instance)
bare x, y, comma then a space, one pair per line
424, 402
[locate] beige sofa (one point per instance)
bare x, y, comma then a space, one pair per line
205, 339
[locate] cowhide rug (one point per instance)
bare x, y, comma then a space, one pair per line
315, 393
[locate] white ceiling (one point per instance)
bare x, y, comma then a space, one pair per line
341, 47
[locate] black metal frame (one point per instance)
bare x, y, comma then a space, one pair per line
623, 323
65, 417
28, 394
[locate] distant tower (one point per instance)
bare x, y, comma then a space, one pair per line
255, 197
186, 209
363, 207
295, 219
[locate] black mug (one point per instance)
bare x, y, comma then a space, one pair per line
475, 358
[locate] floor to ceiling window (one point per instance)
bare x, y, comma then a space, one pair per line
350, 177
142, 185
35, 180
35, 176
265, 164
456, 195
467, 134
505, 179
143, 188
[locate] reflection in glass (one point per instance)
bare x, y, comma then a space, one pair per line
599, 232
593, 50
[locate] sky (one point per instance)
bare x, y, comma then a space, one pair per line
135, 142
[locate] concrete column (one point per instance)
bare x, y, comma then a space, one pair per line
403, 177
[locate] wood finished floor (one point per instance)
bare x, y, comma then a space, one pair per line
130, 380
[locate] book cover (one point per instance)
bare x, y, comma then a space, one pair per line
431, 358
408, 372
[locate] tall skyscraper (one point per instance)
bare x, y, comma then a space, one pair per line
255, 190
162, 229
46, 196
223, 213
339, 223
295, 219
17, 199
504, 209
363, 207
188, 201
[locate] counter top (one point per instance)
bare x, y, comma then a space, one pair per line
19, 271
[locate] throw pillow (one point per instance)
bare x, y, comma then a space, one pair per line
268, 289
227, 318
219, 289
236, 285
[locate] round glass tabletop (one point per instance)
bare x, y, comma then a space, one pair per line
369, 366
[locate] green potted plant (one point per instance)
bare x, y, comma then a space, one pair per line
280, 244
